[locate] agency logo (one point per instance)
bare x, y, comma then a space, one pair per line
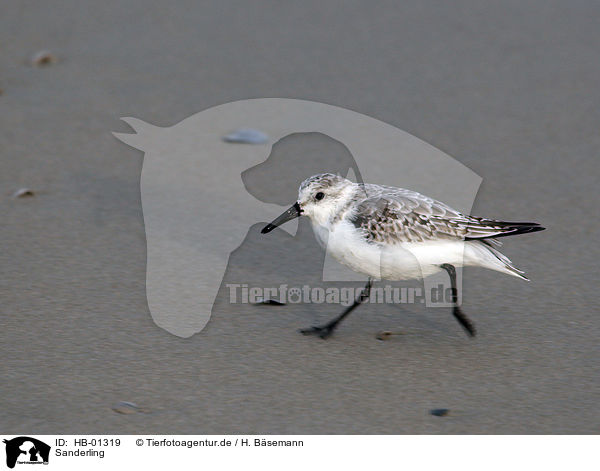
26, 450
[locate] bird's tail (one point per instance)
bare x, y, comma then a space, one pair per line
486, 254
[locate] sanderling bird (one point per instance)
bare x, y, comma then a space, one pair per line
397, 234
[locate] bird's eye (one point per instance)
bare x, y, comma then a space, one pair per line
320, 195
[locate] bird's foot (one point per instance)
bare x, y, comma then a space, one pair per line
464, 321
323, 331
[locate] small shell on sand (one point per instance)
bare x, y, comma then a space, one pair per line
246, 136
43, 58
23, 193
124, 407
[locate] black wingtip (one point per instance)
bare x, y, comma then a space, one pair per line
523, 228
511, 229
535, 229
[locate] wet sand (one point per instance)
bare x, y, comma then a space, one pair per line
510, 90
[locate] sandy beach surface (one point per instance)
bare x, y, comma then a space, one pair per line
510, 89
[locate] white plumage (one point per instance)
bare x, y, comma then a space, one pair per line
397, 234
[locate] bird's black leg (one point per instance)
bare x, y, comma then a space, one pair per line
463, 320
326, 330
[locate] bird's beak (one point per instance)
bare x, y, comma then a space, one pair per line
292, 213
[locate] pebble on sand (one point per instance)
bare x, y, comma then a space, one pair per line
386, 334
246, 136
43, 58
23, 193
124, 407
440, 412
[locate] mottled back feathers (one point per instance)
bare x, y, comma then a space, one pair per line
395, 215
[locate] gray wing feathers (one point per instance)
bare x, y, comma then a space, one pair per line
397, 215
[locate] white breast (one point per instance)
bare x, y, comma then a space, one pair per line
345, 244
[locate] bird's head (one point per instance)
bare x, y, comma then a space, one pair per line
319, 198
